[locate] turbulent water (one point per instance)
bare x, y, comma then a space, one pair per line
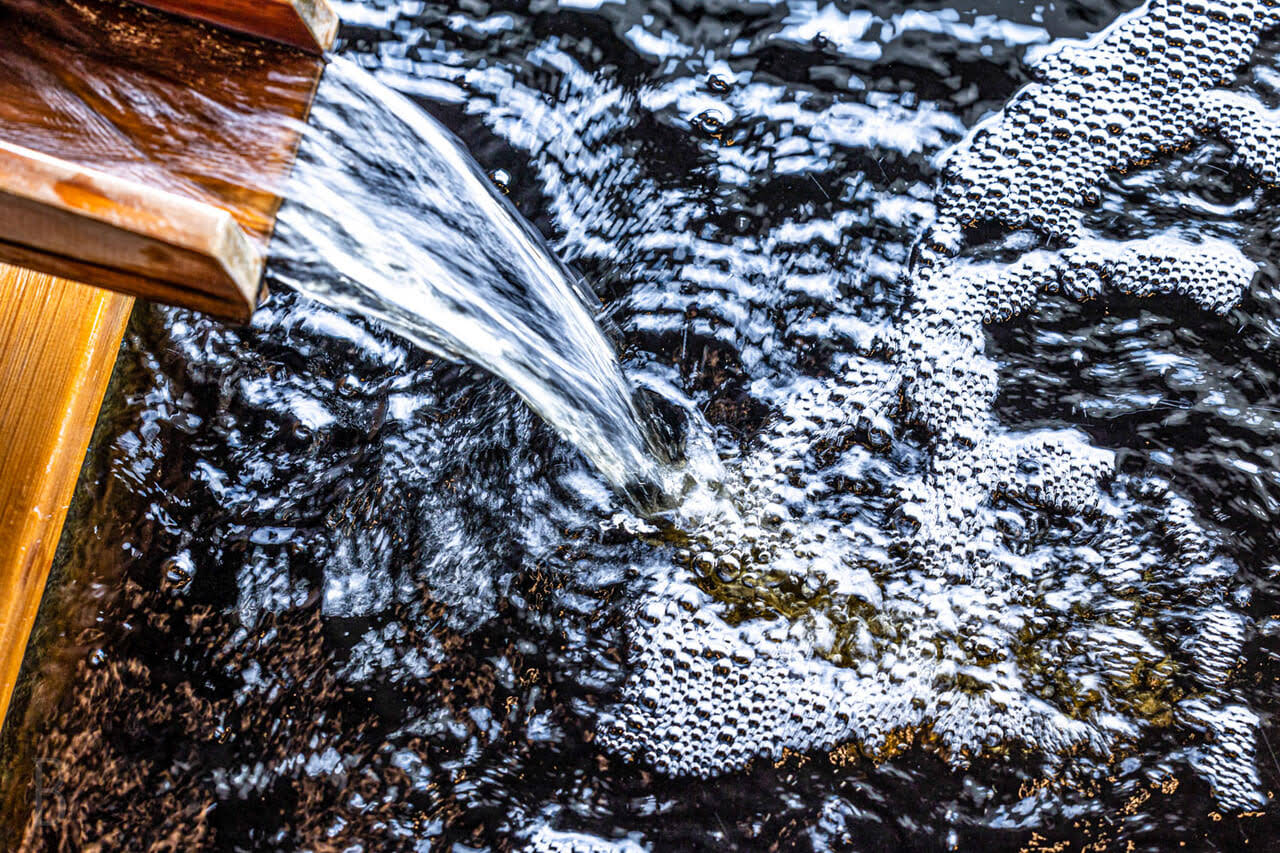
990, 567
388, 217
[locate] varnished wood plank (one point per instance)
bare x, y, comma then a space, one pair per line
58, 343
122, 283
66, 219
162, 103
310, 25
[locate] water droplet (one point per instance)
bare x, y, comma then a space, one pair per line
178, 571
709, 122
728, 568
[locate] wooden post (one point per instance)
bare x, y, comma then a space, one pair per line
58, 344
140, 151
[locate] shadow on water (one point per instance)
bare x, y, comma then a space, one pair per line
329, 591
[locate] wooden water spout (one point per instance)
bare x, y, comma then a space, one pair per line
141, 151
88, 224
144, 152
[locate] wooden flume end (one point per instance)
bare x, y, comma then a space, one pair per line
69, 220
128, 137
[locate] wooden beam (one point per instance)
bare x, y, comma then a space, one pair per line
310, 25
58, 344
69, 220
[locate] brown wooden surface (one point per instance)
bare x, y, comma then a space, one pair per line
58, 343
167, 104
307, 24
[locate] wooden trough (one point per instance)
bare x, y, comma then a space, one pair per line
143, 146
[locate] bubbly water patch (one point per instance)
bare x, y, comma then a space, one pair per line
997, 600
1146, 86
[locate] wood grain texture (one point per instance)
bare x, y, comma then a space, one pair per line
162, 103
58, 344
310, 25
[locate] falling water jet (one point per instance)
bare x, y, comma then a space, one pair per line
387, 215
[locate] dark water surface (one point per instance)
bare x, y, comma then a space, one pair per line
325, 592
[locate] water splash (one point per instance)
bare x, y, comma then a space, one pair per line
389, 216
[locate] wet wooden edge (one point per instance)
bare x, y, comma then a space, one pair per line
73, 221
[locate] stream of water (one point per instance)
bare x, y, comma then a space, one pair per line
389, 217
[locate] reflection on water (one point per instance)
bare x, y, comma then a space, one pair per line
332, 593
